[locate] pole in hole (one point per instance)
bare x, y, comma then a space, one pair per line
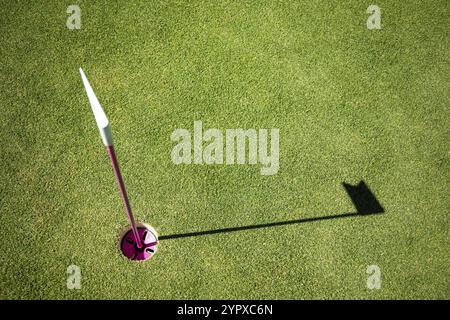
139, 242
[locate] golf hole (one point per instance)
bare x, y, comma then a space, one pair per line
129, 247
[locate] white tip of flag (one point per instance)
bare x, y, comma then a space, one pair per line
99, 114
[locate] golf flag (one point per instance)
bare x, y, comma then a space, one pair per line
142, 244
99, 114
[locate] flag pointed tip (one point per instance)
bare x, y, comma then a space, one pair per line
99, 114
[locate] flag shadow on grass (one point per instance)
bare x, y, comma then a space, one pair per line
363, 199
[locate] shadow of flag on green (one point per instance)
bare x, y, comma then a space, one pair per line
363, 199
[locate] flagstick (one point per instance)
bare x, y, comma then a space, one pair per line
105, 133
123, 194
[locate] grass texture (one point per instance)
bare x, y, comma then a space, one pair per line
351, 104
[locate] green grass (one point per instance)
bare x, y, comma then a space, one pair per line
351, 104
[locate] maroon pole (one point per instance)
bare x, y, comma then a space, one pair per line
123, 194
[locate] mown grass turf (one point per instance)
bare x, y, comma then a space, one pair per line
351, 104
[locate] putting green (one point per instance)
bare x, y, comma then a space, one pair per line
351, 105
